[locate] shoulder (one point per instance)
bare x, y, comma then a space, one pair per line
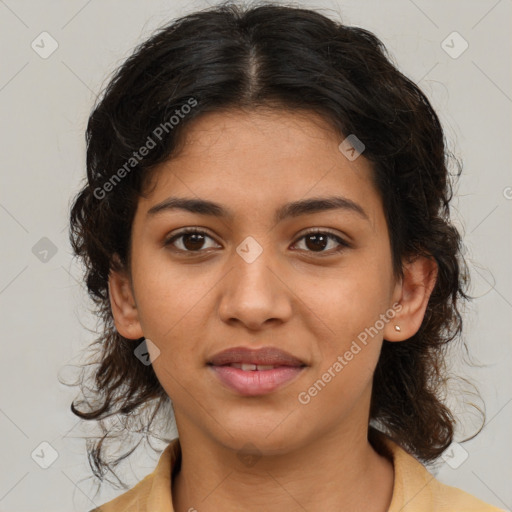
130, 501
447, 498
153, 492
417, 490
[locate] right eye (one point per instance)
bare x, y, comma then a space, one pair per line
192, 240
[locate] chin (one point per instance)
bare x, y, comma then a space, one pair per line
268, 435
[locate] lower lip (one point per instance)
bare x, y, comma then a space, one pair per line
256, 382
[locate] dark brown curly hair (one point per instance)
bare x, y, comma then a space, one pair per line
231, 56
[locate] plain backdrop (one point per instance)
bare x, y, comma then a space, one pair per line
45, 101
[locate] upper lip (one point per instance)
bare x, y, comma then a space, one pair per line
263, 356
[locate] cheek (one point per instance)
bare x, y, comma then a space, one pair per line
174, 330
348, 325
348, 300
168, 295
171, 309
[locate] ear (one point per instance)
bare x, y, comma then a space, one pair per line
122, 302
412, 293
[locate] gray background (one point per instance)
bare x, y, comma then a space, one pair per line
44, 106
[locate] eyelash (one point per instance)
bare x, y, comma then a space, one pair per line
343, 244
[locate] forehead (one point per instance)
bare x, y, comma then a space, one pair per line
263, 157
272, 134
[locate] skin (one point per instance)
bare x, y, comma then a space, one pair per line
305, 299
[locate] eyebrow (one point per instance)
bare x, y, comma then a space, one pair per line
293, 209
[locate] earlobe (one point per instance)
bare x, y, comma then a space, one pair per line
122, 303
413, 294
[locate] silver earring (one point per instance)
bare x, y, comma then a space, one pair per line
397, 328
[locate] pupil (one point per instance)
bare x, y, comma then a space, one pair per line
316, 239
197, 241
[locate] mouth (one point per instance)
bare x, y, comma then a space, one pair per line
251, 372
248, 367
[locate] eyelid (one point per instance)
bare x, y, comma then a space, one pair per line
326, 231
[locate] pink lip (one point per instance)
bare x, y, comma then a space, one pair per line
264, 355
256, 382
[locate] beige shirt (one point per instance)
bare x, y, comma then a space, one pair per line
414, 488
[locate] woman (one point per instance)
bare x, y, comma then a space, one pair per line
267, 238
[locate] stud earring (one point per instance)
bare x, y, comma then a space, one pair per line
397, 328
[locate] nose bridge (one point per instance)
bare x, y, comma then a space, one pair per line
253, 292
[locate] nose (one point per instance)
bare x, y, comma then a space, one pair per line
255, 293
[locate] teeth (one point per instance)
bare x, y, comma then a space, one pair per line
251, 367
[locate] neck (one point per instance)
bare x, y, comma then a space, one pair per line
347, 471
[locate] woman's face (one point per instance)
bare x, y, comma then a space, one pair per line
253, 279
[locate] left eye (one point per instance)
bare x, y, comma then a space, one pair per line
192, 240
319, 240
